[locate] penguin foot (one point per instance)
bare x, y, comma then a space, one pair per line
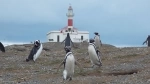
70, 78
100, 65
92, 66
27, 60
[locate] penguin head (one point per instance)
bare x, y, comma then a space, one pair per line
92, 40
67, 49
96, 33
36, 42
68, 36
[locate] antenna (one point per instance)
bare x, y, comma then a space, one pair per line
70, 4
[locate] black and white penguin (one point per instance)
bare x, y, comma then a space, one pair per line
94, 54
68, 41
69, 64
97, 40
36, 51
2, 48
147, 41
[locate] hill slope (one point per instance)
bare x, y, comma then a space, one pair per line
128, 65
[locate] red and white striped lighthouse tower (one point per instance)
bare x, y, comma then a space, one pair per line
70, 18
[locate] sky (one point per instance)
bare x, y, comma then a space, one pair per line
119, 22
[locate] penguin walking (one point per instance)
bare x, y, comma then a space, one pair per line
97, 40
68, 41
147, 41
2, 48
94, 54
36, 51
69, 64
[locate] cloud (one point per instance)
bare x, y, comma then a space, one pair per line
34, 11
53, 10
117, 18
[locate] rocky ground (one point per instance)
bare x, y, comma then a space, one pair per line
129, 65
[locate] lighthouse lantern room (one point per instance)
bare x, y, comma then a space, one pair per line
75, 34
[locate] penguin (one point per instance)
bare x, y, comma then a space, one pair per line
2, 48
94, 54
69, 63
68, 41
36, 51
147, 41
97, 40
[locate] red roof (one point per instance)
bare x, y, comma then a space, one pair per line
67, 27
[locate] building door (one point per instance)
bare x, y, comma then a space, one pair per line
81, 38
57, 38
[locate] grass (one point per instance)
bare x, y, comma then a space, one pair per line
146, 61
81, 50
94, 71
57, 61
126, 56
10, 69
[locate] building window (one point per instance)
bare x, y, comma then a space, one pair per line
51, 40
69, 29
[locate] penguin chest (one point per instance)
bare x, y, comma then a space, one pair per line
38, 52
92, 53
97, 42
69, 65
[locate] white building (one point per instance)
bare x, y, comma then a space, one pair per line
75, 34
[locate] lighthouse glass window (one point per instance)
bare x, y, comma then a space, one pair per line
70, 12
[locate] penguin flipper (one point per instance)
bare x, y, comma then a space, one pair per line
72, 43
144, 42
99, 54
60, 65
32, 52
2, 48
63, 41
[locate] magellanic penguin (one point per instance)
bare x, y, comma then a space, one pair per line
69, 64
36, 51
147, 41
2, 48
97, 40
68, 41
94, 54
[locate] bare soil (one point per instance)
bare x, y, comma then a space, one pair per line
129, 65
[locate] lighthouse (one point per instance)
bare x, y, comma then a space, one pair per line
70, 15
75, 34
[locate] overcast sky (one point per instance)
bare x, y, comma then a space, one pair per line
124, 22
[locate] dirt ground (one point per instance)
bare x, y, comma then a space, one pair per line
129, 65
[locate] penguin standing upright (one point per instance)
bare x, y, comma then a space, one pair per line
68, 41
97, 40
147, 41
69, 64
2, 48
36, 51
94, 54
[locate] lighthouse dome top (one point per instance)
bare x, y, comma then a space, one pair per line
70, 8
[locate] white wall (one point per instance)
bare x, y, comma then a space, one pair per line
74, 37
53, 35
